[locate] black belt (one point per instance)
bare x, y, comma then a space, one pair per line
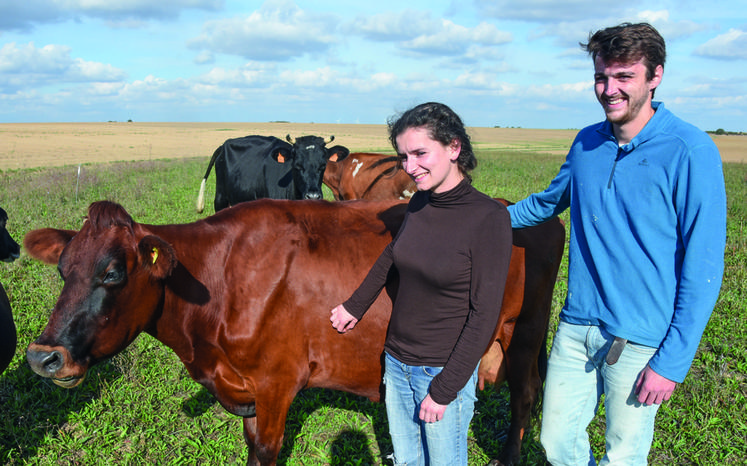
614, 352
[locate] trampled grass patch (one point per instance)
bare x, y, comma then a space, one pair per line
141, 407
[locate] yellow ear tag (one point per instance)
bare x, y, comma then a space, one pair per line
154, 254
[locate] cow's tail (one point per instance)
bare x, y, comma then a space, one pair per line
200, 205
201, 197
542, 357
542, 368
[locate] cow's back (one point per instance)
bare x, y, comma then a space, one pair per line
246, 170
288, 264
370, 176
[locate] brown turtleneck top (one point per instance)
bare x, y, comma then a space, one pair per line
451, 254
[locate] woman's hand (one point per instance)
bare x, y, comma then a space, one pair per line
341, 319
430, 411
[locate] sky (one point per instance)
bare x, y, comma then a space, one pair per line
507, 63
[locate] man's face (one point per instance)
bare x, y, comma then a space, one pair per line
624, 91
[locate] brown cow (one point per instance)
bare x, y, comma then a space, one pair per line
362, 175
247, 311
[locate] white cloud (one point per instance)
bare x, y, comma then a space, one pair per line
454, 39
736, 103
278, 31
24, 15
204, 58
105, 89
382, 80
156, 90
652, 16
326, 61
322, 77
713, 87
553, 11
87, 71
246, 76
562, 91
729, 46
26, 65
482, 81
392, 26
568, 33
420, 33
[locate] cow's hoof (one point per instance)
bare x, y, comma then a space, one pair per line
494, 463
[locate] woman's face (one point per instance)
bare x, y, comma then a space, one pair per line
428, 162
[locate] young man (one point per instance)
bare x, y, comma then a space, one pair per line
648, 227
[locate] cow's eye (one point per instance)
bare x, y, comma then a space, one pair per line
112, 277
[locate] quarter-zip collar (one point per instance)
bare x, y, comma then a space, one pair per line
653, 127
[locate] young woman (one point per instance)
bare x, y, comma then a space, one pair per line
451, 255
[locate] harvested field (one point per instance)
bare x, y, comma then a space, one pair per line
55, 144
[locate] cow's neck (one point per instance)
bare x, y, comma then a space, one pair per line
186, 320
183, 315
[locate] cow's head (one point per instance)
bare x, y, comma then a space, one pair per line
113, 273
310, 158
9, 249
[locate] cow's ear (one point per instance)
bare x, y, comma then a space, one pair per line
157, 256
281, 156
337, 153
47, 244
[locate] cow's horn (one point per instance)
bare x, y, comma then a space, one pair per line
290, 139
331, 138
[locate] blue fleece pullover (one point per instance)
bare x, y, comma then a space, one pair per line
648, 232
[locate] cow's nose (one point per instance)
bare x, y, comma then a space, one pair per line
44, 363
313, 196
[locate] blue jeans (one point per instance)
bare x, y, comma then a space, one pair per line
577, 376
417, 443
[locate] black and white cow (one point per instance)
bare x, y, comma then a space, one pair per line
255, 167
9, 251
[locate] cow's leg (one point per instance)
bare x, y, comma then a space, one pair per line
524, 384
263, 433
221, 201
250, 432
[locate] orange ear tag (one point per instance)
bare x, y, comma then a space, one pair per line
281, 159
154, 254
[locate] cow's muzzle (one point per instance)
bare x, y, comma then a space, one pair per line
52, 363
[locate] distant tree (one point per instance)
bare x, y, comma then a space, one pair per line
720, 131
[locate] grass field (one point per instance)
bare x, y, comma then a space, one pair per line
141, 407
31, 145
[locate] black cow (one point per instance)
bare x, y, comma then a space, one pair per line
254, 167
9, 251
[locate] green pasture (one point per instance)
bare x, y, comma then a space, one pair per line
141, 407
